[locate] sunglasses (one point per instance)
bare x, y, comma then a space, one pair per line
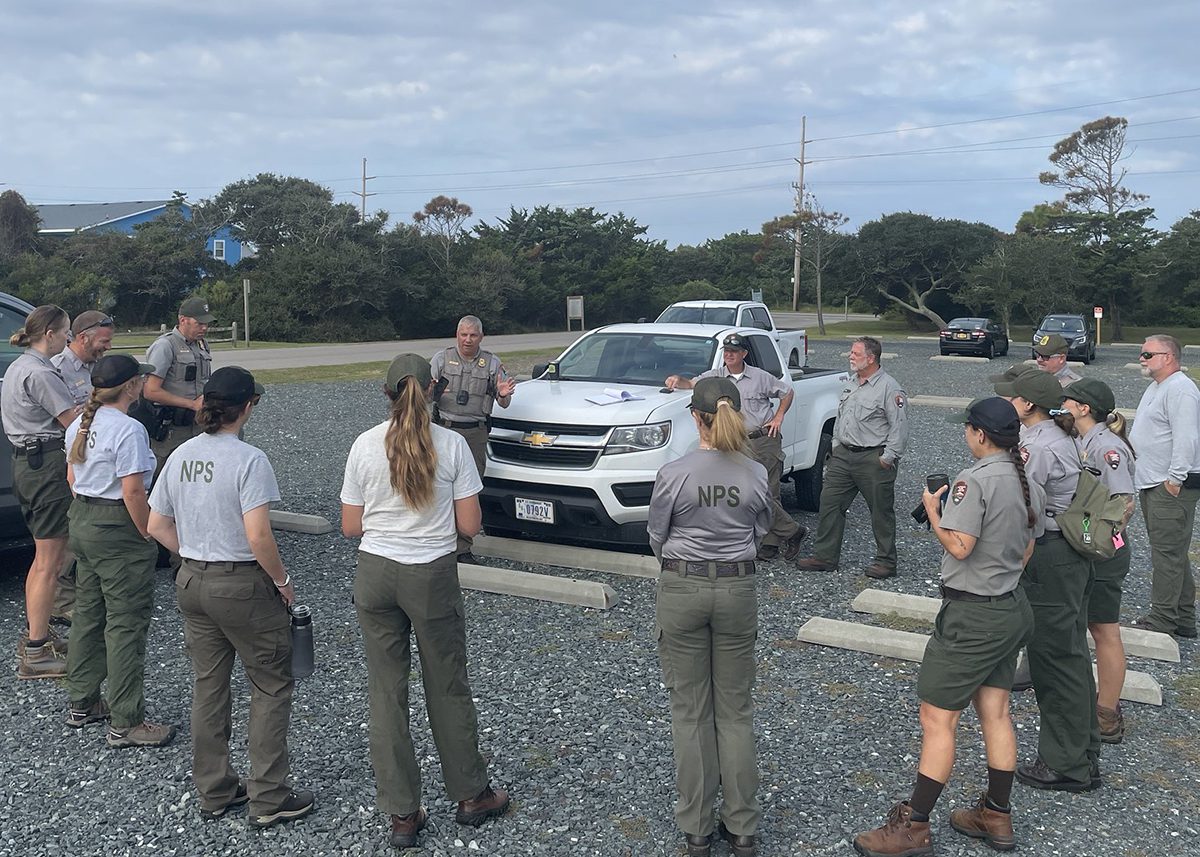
107, 321
1150, 355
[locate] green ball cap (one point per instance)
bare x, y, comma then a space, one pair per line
1038, 387
197, 308
1094, 393
406, 365
1049, 344
709, 391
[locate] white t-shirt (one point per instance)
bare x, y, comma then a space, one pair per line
207, 485
117, 446
390, 528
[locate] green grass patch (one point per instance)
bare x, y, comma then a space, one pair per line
902, 623
135, 341
1188, 688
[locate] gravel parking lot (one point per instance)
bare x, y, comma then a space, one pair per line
573, 713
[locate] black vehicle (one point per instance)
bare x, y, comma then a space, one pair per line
980, 336
1076, 329
13, 312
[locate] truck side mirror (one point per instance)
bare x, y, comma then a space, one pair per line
641, 320
539, 369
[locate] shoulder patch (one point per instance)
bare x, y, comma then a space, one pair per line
1113, 459
900, 400
959, 492
1024, 455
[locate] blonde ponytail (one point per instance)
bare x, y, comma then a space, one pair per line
726, 429
409, 444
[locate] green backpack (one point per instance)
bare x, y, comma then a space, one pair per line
1093, 518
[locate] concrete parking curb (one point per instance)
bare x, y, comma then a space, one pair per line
298, 522
542, 587
564, 556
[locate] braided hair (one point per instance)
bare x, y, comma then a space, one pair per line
100, 396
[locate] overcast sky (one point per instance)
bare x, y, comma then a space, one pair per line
683, 115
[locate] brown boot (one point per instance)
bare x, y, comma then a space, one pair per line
899, 836
41, 662
981, 822
1112, 724
56, 641
487, 804
406, 828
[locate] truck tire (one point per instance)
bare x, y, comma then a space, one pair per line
808, 482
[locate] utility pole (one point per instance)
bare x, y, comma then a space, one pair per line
799, 221
362, 194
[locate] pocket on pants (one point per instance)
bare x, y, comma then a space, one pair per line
664, 659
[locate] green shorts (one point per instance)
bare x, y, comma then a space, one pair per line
44, 494
974, 644
1104, 604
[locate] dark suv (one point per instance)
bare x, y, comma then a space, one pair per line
1076, 329
13, 312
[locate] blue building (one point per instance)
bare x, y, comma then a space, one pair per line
123, 216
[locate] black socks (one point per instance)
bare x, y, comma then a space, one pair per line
999, 789
925, 794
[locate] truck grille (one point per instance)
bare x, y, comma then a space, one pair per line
568, 457
550, 428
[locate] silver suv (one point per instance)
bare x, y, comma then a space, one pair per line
13, 312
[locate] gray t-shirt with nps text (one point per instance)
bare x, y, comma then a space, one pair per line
207, 485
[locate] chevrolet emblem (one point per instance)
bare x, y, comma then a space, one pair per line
536, 438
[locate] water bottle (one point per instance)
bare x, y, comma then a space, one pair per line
302, 642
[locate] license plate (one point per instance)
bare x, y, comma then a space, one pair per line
541, 511
960, 336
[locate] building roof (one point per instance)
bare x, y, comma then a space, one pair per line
88, 215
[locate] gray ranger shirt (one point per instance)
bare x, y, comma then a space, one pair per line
1053, 460
985, 501
33, 396
76, 373
1066, 375
757, 387
873, 413
1166, 431
172, 355
1106, 452
710, 506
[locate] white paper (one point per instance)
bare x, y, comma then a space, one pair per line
612, 396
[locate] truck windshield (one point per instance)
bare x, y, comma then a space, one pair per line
724, 316
644, 359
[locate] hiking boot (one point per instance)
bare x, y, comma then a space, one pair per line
741, 844
697, 845
1149, 623
240, 798
406, 828
791, 548
1112, 724
489, 803
814, 564
766, 553
1039, 775
77, 718
143, 735
879, 571
298, 804
56, 641
899, 836
983, 822
41, 662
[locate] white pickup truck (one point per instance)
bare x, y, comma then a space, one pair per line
562, 467
793, 344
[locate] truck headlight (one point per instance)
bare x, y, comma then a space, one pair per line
638, 438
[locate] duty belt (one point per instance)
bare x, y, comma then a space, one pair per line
709, 569
99, 501
222, 565
756, 434
854, 448
46, 444
951, 594
448, 423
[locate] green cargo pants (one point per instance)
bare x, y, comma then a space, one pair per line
1057, 582
233, 608
393, 601
706, 630
1169, 522
476, 439
768, 451
847, 475
114, 598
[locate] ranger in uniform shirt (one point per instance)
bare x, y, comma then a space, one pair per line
869, 439
709, 510
1050, 352
763, 423
987, 528
182, 364
471, 381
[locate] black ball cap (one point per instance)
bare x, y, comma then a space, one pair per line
113, 370
992, 414
232, 384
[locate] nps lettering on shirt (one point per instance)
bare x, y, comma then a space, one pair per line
196, 471
714, 495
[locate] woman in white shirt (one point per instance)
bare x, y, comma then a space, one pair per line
410, 486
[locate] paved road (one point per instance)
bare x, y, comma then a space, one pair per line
366, 352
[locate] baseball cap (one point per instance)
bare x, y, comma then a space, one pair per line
113, 370
735, 340
404, 365
1092, 392
990, 413
232, 384
1012, 372
197, 308
1041, 388
709, 391
1049, 344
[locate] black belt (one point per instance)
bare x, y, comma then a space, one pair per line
958, 595
854, 448
1048, 535
709, 569
222, 565
47, 445
452, 424
99, 501
756, 434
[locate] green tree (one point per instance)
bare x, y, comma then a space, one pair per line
1173, 275
442, 222
270, 211
19, 223
817, 233
1035, 274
